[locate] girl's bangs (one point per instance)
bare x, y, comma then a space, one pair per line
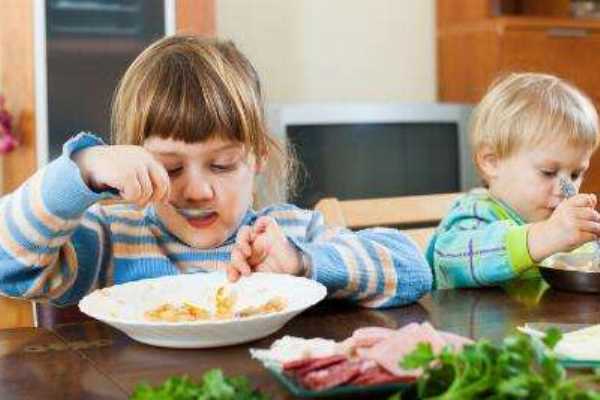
183, 109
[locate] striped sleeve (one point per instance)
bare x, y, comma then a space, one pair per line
377, 267
44, 236
474, 248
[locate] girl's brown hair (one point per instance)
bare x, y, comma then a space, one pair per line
192, 89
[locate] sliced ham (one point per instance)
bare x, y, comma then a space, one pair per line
371, 356
367, 337
331, 376
388, 353
302, 367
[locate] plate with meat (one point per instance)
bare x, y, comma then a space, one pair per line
203, 310
367, 363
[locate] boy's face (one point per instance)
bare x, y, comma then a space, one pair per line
528, 180
211, 188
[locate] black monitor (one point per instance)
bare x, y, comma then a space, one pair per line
357, 151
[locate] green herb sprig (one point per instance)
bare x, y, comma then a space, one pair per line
213, 386
521, 367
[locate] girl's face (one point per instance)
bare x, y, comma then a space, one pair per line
528, 180
211, 188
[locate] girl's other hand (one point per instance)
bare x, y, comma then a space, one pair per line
263, 248
573, 223
131, 170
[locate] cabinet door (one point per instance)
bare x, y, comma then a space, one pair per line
570, 53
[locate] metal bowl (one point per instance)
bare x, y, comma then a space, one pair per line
573, 272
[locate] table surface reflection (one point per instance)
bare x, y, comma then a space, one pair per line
92, 360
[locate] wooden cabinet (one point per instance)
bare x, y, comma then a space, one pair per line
478, 40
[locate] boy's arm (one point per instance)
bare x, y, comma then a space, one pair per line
473, 247
51, 247
377, 267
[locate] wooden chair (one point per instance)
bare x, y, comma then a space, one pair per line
417, 216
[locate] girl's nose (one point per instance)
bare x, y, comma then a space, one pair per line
198, 189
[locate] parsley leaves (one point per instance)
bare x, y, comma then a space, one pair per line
213, 386
521, 367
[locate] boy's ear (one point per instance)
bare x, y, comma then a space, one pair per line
487, 161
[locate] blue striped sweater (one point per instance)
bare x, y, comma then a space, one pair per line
57, 243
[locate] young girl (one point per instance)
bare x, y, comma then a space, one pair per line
530, 134
191, 142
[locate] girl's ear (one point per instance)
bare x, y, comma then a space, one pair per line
487, 161
259, 164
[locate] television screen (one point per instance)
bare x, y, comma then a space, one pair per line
352, 161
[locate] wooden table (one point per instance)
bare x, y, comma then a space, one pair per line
89, 360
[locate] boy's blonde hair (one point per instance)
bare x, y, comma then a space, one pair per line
526, 109
190, 88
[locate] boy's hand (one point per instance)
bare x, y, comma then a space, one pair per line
131, 170
263, 248
573, 223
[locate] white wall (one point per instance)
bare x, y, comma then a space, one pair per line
336, 50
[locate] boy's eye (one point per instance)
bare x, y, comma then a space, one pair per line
576, 175
548, 173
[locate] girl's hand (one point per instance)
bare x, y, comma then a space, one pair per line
131, 170
263, 248
573, 223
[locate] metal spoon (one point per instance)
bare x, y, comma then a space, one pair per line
567, 189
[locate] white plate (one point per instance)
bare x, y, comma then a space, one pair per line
123, 306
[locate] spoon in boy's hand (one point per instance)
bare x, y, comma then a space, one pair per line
567, 189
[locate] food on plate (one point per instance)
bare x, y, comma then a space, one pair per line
170, 313
228, 304
580, 344
371, 356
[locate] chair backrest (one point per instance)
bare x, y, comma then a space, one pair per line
417, 216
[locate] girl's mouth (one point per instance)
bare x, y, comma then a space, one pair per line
199, 218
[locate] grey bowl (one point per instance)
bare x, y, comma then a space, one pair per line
572, 272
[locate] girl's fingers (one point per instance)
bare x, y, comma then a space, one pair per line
238, 262
243, 241
160, 183
146, 187
131, 190
232, 274
261, 248
261, 225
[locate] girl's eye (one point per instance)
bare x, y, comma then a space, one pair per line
548, 173
174, 171
222, 167
575, 176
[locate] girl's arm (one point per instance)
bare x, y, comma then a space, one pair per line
52, 245
478, 249
377, 267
